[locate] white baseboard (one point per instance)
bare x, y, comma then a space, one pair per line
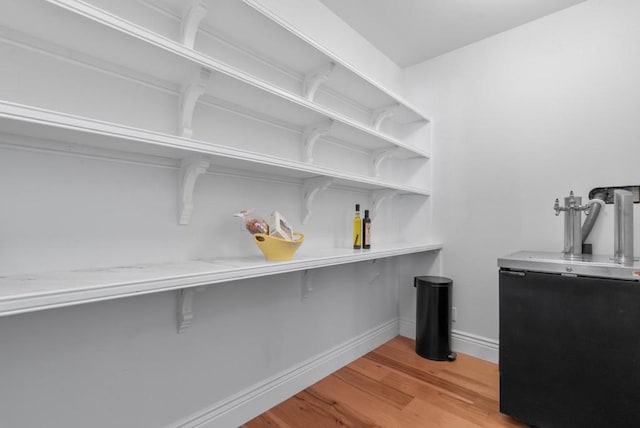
407, 328
244, 406
463, 342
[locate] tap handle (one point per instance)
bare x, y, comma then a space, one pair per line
556, 206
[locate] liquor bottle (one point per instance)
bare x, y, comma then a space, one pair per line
366, 231
357, 229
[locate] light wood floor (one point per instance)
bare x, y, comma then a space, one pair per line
393, 387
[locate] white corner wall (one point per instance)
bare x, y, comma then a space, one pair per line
520, 119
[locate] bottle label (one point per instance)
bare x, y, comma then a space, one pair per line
367, 234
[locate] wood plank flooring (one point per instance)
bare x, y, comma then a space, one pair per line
393, 387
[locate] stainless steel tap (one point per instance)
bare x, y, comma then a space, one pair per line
573, 223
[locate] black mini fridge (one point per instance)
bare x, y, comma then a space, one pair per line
569, 346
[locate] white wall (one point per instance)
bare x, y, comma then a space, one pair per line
520, 119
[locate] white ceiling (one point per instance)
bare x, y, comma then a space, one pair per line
412, 31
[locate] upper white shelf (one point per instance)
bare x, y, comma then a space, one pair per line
370, 92
148, 53
77, 131
29, 293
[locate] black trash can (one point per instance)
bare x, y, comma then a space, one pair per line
433, 318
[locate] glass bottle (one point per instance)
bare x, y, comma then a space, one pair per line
366, 231
357, 229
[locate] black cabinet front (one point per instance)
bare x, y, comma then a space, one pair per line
569, 350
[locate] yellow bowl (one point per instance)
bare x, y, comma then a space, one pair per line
278, 249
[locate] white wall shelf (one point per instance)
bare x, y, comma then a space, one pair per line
169, 50
406, 111
195, 156
152, 54
47, 125
29, 293
273, 48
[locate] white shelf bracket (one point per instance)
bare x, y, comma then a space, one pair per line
190, 170
305, 284
380, 156
382, 113
378, 197
185, 307
312, 134
314, 79
374, 272
188, 99
312, 186
193, 14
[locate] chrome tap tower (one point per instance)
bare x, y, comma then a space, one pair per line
572, 224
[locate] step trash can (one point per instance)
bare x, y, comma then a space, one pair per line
433, 317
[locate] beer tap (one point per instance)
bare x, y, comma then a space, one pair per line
573, 223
